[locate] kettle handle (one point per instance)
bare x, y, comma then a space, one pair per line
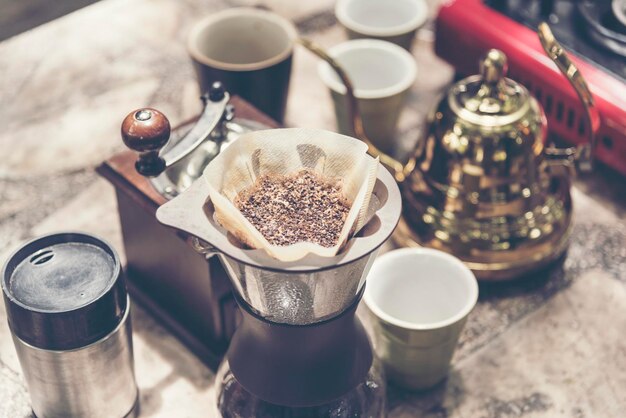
399, 170
580, 156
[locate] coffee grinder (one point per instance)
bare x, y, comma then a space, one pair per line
299, 350
166, 275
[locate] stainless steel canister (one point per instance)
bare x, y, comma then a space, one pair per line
68, 311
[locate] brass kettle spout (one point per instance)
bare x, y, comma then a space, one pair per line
399, 170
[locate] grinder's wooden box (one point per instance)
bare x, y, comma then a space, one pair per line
185, 292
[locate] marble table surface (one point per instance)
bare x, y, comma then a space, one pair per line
549, 346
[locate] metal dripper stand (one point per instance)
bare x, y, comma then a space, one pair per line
299, 350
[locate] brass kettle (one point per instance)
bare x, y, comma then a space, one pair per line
483, 185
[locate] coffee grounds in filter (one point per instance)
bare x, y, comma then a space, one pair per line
301, 207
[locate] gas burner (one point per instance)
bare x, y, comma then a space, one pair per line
606, 23
619, 10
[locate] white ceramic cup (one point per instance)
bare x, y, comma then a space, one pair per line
395, 21
419, 299
382, 74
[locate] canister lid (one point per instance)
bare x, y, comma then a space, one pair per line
64, 291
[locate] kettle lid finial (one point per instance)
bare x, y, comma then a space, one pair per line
489, 98
493, 66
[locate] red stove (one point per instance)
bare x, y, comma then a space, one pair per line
593, 31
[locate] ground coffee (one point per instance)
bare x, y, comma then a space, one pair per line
302, 207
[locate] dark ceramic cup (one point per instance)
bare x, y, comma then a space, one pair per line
250, 51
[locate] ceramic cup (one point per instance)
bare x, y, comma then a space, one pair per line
250, 51
382, 74
419, 299
394, 21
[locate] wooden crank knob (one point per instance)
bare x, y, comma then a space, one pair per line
146, 131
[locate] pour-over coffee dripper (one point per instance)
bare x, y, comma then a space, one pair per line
299, 350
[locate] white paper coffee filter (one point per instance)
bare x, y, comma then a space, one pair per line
285, 152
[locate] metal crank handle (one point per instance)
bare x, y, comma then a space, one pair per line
147, 131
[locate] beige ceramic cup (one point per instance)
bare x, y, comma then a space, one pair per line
395, 21
419, 299
382, 75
